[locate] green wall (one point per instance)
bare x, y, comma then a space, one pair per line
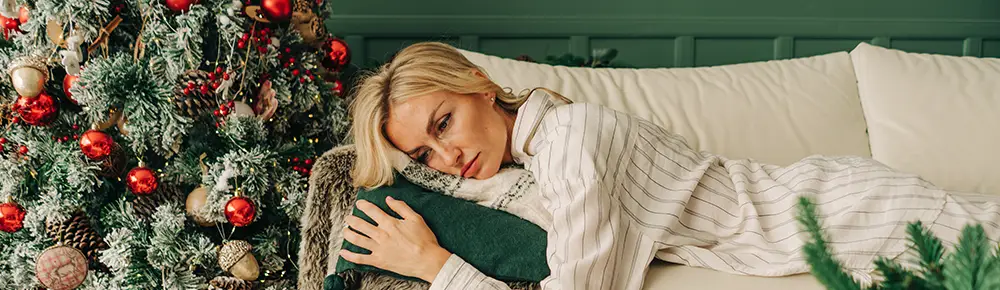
684, 33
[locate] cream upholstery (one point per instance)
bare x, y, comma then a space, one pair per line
938, 116
934, 115
775, 112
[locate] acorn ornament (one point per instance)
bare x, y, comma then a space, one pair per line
236, 258
28, 75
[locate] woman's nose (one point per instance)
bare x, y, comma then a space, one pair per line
451, 155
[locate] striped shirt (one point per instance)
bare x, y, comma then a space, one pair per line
623, 191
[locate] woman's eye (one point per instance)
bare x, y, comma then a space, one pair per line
444, 123
422, 158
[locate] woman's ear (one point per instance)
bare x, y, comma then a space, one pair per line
478, 73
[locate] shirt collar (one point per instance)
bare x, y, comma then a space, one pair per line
524, 139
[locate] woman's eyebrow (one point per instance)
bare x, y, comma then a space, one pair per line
430, 119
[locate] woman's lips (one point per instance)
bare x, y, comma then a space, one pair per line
471, 167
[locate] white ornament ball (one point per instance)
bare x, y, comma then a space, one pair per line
242, 109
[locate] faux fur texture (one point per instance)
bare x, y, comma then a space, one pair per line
330, 199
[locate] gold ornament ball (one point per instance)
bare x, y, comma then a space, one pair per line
28, 75
28, 81
235, 257
195, 201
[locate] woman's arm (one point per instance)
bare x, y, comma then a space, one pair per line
408, 247
405, 246
592, 243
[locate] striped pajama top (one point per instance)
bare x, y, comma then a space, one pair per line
623, 191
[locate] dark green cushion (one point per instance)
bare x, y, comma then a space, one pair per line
499, 244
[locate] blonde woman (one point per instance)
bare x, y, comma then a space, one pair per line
621, 191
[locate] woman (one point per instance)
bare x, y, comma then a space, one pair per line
621, 190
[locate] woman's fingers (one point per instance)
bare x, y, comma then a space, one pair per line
380, 217
401, 208
359, 240
364, 227
358, 258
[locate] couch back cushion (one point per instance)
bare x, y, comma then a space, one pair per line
934, 115
776, 111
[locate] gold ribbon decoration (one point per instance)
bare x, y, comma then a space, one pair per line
102, 39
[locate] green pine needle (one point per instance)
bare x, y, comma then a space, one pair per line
962, 268
897, 277
931, 251
827, 270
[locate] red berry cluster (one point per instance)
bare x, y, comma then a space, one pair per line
304, 75
66, 138
302, 166
20, 149
223, 111
262, 38
216, 79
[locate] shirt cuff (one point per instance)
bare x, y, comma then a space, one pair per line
456, 274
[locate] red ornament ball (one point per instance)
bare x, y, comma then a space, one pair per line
37, 111
22, 149
336, 54
11, 217
68, 82
11, 23
338, 87
276, 10
96, 145
180, 5
240, 211
142, 181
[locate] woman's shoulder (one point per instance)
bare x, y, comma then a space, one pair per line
584, 116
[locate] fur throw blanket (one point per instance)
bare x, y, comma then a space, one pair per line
331, 197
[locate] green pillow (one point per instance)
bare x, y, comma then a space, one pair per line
498, 244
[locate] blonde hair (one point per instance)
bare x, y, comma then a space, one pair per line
416, 70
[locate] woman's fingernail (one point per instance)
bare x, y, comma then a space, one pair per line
389, 198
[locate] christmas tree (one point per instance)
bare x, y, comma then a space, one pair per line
973, 263
161, 144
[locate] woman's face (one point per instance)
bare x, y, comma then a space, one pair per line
466, 135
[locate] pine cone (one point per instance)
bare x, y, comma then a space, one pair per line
145, 205
195, 103
114, 164
76, 232
229, 283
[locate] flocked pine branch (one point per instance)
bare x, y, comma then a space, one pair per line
134, 73
973, 264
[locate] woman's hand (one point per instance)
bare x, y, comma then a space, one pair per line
404, 246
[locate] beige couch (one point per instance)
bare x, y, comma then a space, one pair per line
937, 116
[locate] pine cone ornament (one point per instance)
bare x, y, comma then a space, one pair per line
76, 232
145, 205
194, 95
114, 165
229, 283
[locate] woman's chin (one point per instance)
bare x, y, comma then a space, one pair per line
487, 173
